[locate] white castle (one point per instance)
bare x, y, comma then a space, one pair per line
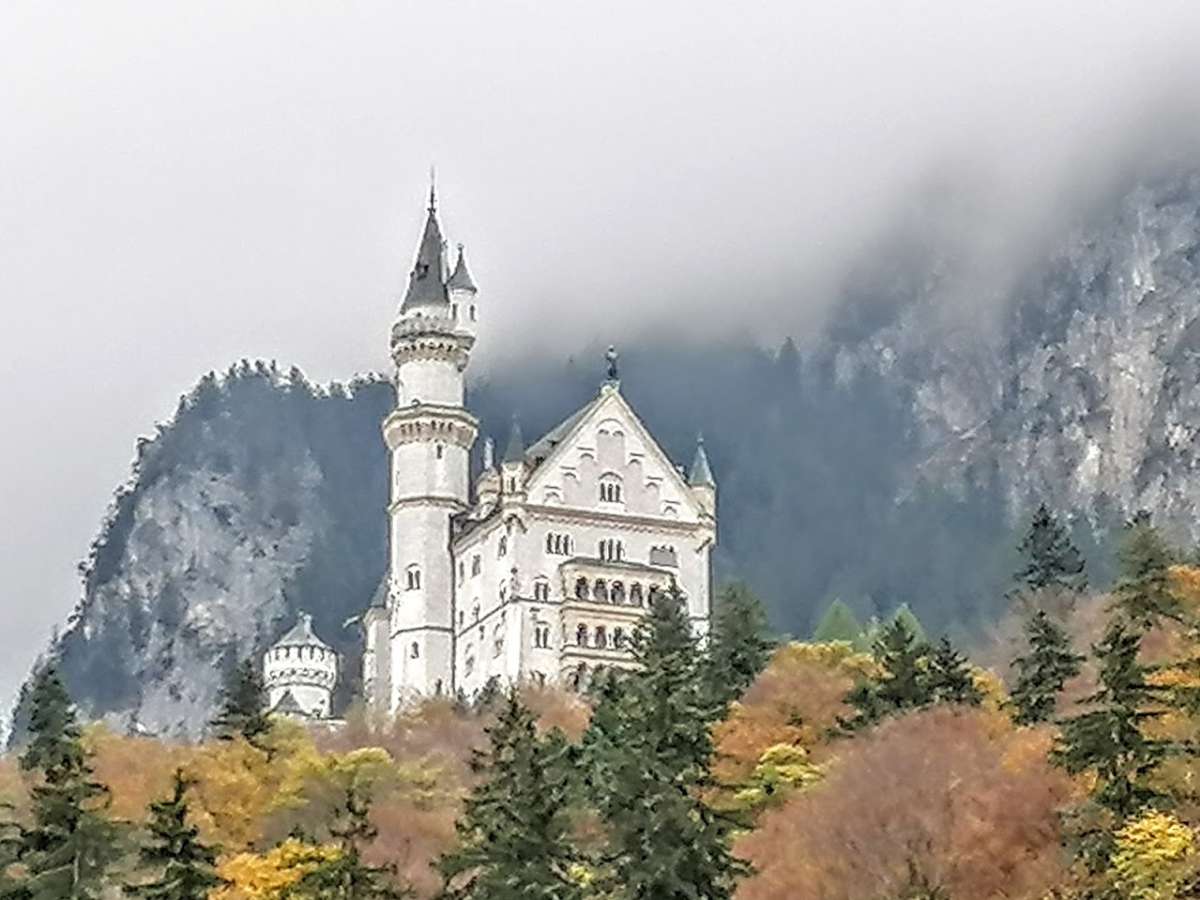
541, 569
299, 673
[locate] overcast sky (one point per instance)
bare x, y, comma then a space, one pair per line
182, 185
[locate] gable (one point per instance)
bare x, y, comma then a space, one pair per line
606, 444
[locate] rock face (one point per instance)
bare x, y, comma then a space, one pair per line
890, 459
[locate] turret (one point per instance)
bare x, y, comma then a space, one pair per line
487, 488
701, 480
512, 467
299, 672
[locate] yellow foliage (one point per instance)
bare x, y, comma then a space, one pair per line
782, 769
1154, 857
265, 876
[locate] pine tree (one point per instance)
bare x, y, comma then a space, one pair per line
948, 679
1143, 592
739, 646
243, 706
908, 618
1042, 672
1111, 739
647, 755
184, 867
346, 875
838, 624
1051, 559
902, 685
70, 845
514, 835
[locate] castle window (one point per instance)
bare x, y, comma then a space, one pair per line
472, 313
618, 593
612, 550
558, 544
581, 588
415, 650
454, 310
461, 618
610, 489
635, 595
412, 578
600, 592
664, 556
539, 678
475, 613
601, 636
619, 638
541, 636
462, 571
503, 591
439, 451
502, 547
469, 663
581, 635
497, 641
541, 590
476, 564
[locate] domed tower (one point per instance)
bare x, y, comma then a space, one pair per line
300, 671
429, 436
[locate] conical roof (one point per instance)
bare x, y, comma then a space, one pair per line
425, 287
701, 473
301, 635
460, 278
515, 451
288, 705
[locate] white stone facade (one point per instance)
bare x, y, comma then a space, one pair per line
541, 569
299, 672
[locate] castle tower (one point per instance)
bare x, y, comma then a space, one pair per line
299, 672
429, 436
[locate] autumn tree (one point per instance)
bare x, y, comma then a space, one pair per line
69, 846
1051, 560
514, 834
243, 709
647, 755
183, 867
1042, 671
739, 645
898, 687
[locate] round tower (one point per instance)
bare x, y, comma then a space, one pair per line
429, 436
300, 671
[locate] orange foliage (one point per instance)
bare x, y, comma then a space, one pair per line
958, 793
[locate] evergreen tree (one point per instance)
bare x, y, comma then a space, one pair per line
1051, 559
739, 646
347, 876
1111, 740
647, 755
948, 679
243, 705
902, 685
514, 841
69, 846
908, 618
838, 624
1143, 592
1042, 672
184, 867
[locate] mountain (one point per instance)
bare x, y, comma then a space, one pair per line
889, 458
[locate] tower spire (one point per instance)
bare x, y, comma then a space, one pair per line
432, 190
425, 284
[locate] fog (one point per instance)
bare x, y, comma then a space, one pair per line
184, 186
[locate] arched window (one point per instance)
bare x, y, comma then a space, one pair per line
503, 591
600, 592
610, 489
601, 636
541, 590
635, 595
475, 613
469, 663
619, 638
476, 564
439, 451
415, 650
497, 640
412, 578
612, 550
618, 593
581, 635
472, 313
581, 588
549, 543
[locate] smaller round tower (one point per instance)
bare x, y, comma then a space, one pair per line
299, 672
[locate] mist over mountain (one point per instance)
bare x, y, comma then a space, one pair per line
888, 458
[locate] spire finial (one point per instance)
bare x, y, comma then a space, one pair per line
432, 189
612, 356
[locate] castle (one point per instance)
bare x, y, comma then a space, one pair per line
541, 569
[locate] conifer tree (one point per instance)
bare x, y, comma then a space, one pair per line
1111, 740
183, 867
739, 646
70, 845
647, 756
1143, 592
948, 677
1043, 670
905, 615
346, 875
838, 624
514, 835
902, 684
1051, 559
243, 705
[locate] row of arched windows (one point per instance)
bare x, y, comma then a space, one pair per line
612, 550
559, 544
615, 592
541, 636
599, 637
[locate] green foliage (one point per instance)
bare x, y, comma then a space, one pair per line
184, 867
1043, 670
1143, 593
70, 845
838, 624
646, 755
243, 709
908, 618
514, 835
1051, 560
739, 646
947, 677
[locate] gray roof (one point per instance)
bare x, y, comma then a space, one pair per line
545, 445
701, 473
301, 635
288, 705
460, 279
379, 599
515, 451
425, 285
